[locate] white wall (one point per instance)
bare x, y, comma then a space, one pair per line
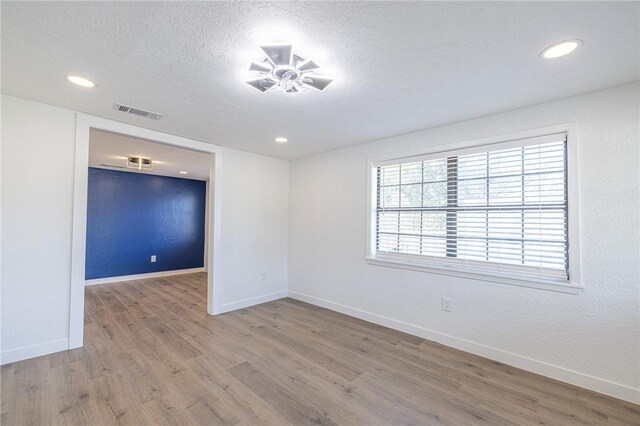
37, 195
255, 220
591, 339
38, 143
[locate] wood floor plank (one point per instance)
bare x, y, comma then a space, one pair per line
312, 351
6, 380
253, 409
108, 297
165, 411
331, 394
170, 338
152, 356
296, 410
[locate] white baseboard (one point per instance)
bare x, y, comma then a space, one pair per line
586, 381
142, 276
228, 307
27, 352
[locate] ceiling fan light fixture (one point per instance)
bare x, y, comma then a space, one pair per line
139, 163
287, 70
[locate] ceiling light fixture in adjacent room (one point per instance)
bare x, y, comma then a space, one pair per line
287, 70
560, 49
183, 172
80, 81
139, 163
281, 140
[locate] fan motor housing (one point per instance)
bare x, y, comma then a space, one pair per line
286, 73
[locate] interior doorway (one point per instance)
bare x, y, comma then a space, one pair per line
146, 209
106, 149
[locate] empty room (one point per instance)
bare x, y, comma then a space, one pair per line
317, 212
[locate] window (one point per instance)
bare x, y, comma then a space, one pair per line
498, 209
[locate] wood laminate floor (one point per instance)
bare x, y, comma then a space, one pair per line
153, 356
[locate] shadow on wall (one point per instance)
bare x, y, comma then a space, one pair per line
132, 217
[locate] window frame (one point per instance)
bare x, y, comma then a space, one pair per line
502, 273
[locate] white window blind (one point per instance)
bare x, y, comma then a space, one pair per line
503, 206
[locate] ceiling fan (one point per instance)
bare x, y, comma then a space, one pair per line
287, 70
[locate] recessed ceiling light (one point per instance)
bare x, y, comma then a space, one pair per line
80, 81
281, 140
560, 49
182, 172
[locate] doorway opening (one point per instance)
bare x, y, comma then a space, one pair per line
146, 206
146, 209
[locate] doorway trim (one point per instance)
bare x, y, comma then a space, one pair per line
213, 261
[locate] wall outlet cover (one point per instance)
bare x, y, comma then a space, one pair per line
446, 304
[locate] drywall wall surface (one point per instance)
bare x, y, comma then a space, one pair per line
254, 228
37, 197
591, 339
139, 223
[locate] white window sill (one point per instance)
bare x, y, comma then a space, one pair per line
496, 276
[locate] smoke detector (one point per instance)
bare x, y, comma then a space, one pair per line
284, 69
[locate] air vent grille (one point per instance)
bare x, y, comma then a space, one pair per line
137, 111
111, 166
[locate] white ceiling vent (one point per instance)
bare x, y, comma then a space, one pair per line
111, 166
137, 111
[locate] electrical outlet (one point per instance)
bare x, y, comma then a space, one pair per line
263, 275
446, 304
153, 258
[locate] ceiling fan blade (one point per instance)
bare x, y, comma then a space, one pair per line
278, 54
259, 67
308, 66
317, 82
268, 83
297, 60
262, 84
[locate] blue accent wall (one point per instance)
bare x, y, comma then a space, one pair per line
132, 216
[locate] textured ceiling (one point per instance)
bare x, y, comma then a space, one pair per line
110, 151
399, 66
